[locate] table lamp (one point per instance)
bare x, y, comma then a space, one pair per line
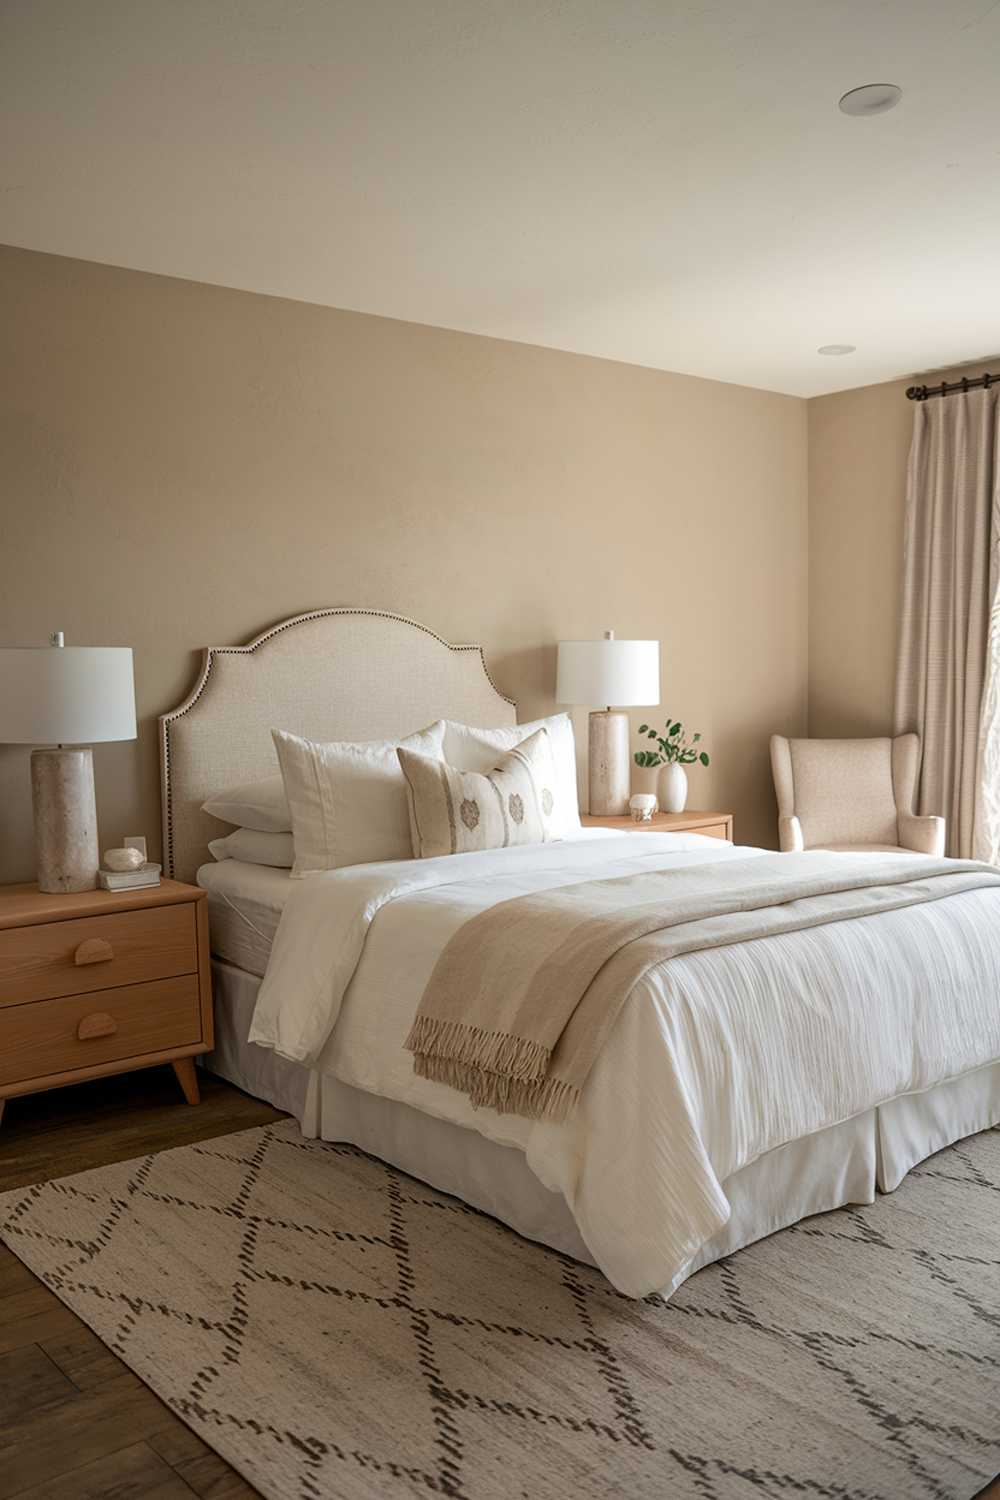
60, 694
625, 673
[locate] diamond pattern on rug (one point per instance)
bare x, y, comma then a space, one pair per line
335, 1329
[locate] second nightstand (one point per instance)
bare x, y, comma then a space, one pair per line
102, 982
717, 825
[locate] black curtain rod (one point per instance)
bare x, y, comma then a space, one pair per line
946, 388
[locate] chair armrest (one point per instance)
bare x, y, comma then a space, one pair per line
922, 835
790, 836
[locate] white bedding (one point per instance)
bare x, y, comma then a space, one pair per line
717, 1057
245, 903
842, 1164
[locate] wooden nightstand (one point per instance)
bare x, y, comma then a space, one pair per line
717, 825
102, 982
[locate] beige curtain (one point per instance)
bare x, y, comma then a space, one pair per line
986, 841
948, 676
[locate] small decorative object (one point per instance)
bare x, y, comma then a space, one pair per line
123, 859
625, 673
643, 806
675, 750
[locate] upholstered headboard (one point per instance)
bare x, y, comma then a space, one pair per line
332, 674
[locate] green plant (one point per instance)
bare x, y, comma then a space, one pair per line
675, 747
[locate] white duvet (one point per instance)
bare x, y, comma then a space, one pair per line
717, 1057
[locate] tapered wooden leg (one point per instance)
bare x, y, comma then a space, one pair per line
187, 1077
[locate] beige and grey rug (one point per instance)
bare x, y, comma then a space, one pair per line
334, 1328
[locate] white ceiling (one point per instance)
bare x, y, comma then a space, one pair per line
666, 182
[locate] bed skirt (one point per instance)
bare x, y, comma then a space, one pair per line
846, 1163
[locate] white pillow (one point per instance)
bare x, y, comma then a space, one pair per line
256, 848
473, 749
257, 804
348, 801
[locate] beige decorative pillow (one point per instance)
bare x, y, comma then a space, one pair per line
475, 749
348, 801
457, 812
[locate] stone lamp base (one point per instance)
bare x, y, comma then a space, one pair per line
610, 771
62, 794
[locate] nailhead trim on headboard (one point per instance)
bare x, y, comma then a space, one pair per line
212, 651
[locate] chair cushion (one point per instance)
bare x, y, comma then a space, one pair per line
843, 792
864, 848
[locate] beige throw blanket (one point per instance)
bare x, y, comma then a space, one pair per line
525, 994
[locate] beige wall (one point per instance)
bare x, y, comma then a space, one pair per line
858, 443
858, 447
183, 464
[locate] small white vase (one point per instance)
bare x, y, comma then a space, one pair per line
673, 789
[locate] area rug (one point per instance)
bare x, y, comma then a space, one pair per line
334, 1328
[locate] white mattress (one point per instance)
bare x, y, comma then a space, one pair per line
244, 907
245, 903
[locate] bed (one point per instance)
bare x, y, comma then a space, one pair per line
607, 1190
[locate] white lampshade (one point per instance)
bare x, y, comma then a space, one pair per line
616, 673
66, 695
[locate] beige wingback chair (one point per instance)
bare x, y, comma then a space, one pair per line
851, 795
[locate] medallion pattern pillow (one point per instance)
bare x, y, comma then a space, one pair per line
475, 750
459, 812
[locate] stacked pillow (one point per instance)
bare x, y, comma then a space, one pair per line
255, 847
263, 833
344, 803
261, 805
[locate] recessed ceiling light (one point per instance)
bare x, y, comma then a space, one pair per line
837, 349
871, 99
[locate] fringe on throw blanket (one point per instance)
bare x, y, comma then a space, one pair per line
496, 1070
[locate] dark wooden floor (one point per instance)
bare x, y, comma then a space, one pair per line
76, 1423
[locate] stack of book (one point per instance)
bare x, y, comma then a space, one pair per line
128, 880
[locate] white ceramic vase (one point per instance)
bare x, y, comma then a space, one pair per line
673, 789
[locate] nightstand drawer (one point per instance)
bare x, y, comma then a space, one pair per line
710, 824
96, 953
714, 830
84, 1031
718, 830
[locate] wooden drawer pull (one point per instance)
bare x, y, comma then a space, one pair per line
99, 1024
93, 951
